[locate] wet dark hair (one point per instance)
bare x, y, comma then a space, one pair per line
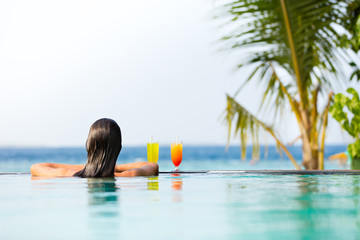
103, 146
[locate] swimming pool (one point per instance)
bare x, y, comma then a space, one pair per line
183, 206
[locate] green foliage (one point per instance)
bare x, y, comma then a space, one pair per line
353, 42
247, 122
244, 122
290, 48
346, 111
354, 150
261, 33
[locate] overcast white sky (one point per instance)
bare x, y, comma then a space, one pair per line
152, 66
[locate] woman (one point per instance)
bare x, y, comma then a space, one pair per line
103, 147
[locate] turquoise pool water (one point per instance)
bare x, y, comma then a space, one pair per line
187, 206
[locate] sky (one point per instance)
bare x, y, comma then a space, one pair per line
152, 66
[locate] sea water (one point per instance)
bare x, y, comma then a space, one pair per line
194, 157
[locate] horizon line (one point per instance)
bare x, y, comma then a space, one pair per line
160, 145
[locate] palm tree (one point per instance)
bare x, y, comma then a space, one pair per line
293, 49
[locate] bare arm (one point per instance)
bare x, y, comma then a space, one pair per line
136, 169
54, 169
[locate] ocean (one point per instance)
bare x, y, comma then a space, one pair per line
194, 157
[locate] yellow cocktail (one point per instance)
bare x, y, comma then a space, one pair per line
153, 152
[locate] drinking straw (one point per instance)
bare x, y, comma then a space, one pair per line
178, 139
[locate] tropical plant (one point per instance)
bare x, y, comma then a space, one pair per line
346, 111
353, 43
293, 49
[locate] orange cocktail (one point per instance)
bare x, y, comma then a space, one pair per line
176, 154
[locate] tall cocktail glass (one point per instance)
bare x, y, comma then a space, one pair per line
153, 151
176, 154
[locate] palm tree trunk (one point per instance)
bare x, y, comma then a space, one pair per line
309, 140
310, 155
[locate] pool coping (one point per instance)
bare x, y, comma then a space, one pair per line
259, 172
272, 172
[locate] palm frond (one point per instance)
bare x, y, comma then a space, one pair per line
298, 36
247, 124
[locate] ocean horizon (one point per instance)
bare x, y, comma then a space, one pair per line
195, 157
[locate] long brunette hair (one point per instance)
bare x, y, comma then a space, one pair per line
103, 146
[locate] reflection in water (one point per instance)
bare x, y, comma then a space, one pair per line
102, 191
307, 184
41, 178
153, 183
103, 208
356, 192
310, 205
294, 207
308, 196
176, 185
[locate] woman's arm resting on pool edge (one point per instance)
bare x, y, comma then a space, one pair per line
136, 169
54, 169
